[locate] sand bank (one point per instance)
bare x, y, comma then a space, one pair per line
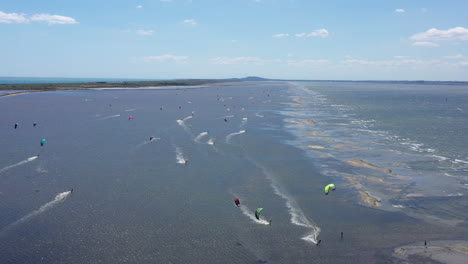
452, 252
364, 164
368, 199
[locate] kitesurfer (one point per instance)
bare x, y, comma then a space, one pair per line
34, 124
341, 235
269, 222
186, 161
425, 243
42, 142
160, 108
318, 242
225, 120
16, 125
151, 138
328, 187
71, 190
237, 202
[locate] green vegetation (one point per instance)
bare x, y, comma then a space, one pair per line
93, 85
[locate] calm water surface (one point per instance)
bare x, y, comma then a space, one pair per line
136, 201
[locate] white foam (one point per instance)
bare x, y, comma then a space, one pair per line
459, 161
440, 158
297, 216
187, 118
41, 168
130, 110
229, 116
202, 134
228, 137
398, 206
112, 116
210, 141
19, 163
250, 214
58, 199
179, 156
257, 114
244, 121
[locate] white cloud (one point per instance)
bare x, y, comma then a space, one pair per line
434, 34
458, 56
190, 21
400, 57
166, 58
145, 32
392, 63
237, 60
281, 35
399, 10
307, 63
423, 10
316, 33
11, 18
139, 6
53, 19
462, 63
425, 44
165, 0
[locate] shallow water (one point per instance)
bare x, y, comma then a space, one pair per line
135, 201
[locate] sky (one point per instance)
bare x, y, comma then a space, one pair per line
280, 39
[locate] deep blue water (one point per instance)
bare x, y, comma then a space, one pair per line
135, 201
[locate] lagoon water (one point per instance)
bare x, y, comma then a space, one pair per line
171, 200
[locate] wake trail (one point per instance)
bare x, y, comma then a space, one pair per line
58, 199
181, 122
187, 118
112, 116
41, 168
19, 163
244, 121
228, 137
228, 116
179, 156
250, 214
210, 141
202, 134
297, 215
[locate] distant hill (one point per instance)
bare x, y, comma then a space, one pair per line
248, 79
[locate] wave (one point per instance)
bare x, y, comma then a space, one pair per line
130, 110
58, 199
109, 117
19, 163
202, 134
228, 137
180, 156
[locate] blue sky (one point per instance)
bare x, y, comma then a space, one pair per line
288, 39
